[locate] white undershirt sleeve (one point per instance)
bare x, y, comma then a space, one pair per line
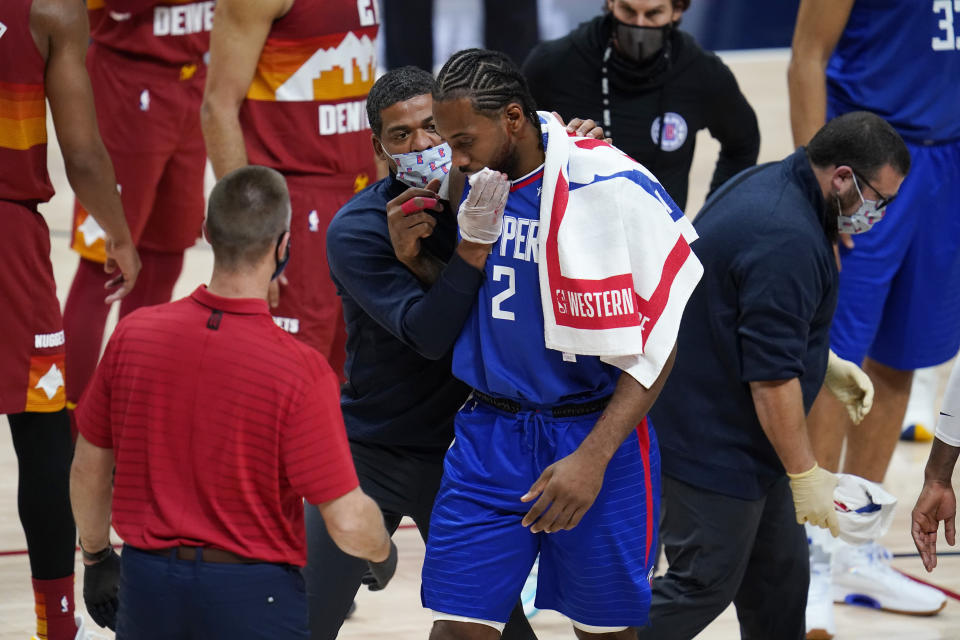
948, 424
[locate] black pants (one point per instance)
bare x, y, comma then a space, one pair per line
722, 550
509, 26
403, 482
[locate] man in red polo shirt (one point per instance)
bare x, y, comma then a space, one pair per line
218, 424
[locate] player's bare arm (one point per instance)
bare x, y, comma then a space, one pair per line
91, 490
938, 501
240, 29
819, 26
61, 31
568, 487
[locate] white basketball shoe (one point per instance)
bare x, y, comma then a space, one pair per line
862, 576
819, 616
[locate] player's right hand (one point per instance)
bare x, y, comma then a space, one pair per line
813, 498
409, 222
121, 255
101, 586
564, 492
481, 214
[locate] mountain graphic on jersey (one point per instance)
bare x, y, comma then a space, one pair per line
324, 68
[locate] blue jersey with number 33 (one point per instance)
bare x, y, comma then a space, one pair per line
501, 349
901, 60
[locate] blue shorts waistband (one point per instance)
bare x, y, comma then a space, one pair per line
569, 410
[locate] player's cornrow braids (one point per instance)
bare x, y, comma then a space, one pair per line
489, 78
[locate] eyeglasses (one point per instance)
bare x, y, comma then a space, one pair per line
884, 200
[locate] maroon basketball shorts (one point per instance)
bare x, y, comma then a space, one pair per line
149, 117
31, 349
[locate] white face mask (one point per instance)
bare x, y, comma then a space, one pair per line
418, 168
861, 220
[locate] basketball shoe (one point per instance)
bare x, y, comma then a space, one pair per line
820, 625
862, 576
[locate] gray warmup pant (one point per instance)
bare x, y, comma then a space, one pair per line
722, 550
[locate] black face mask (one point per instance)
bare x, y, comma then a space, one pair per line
281, 264
640, 44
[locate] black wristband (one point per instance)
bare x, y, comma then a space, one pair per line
99, 556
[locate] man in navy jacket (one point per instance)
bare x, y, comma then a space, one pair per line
751, 357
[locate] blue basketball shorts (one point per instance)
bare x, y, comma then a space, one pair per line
479, 555
899, 297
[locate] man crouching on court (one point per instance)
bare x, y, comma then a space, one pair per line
218, 424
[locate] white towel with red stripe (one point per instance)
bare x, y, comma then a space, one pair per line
616, 268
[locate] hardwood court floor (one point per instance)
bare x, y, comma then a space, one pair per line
396, 612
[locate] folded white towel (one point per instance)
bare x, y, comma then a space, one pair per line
616, 268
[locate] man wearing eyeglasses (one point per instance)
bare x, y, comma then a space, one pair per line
899, 295
739, 472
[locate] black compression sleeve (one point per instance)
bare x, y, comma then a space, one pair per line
44, 451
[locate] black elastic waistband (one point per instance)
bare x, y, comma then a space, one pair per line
559, 411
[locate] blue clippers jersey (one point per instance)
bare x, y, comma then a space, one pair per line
501, 349
901, 60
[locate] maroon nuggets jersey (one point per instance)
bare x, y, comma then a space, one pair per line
175, 32
305, 112
23, 111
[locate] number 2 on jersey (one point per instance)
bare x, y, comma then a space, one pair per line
499, 271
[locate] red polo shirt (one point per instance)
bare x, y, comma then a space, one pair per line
220, 423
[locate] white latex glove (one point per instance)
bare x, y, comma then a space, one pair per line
850, 385
481, 214
813, 498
